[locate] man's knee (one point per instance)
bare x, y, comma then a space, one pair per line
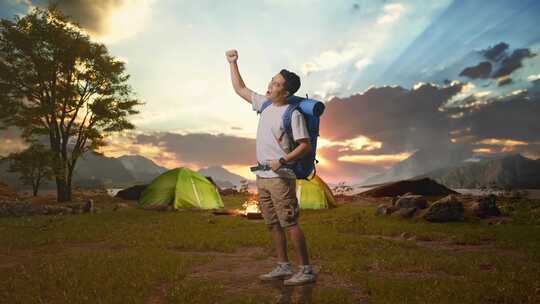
274, 226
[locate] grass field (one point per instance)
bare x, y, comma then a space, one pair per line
138, 256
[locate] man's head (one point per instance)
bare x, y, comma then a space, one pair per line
283, 85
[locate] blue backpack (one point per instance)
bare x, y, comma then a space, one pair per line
311, 110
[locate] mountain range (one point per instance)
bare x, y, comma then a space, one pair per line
94, 170
420, 162
511, 171
458, 171
222, 177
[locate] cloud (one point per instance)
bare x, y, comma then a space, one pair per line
11, 141
401, 119
202, 149
362, 63
106, 20
329, 88
392, 12
331, 58
533, 77
505, 80
496, 52
513, 62
500, 61
375, 159
512, 117
482, 70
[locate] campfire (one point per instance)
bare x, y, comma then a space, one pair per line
250, 209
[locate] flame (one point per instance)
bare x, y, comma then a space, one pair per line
251, 205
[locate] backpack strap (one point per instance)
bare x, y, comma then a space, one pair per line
265, 105
287, 123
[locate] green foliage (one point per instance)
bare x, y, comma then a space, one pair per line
56, 82
33, 164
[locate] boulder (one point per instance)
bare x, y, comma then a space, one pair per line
447, 209
412, 201
131, 193
383, 209
486, 207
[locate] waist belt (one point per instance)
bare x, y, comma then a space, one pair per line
261, 167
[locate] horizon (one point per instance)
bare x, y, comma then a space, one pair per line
397, 77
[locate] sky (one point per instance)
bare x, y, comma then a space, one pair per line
396, 76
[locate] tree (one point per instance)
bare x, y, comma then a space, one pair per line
33, 164
55, 82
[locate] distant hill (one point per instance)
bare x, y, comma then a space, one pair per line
94, 170
141, 168
511, 171
222, 177
421, 162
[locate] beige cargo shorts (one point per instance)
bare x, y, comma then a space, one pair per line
277, 200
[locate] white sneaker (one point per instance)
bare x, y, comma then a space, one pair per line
303, 276
279, 272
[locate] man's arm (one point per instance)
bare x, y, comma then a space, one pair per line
304, 147
237, 82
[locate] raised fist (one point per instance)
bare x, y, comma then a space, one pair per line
232, 55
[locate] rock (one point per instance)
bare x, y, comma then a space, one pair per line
50, 209
486, 207
412, 201
404, 212
383, 209
131, 193
89, 206
446, 209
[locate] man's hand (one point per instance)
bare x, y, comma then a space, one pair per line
274, 164
232, 55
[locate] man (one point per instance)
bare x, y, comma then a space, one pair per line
277, 187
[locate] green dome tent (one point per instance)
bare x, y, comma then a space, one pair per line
181, 188
314, 194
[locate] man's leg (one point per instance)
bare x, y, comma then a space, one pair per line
288, 211
283, 269
280, 242
299, 242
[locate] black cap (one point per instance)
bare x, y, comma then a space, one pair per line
292, 81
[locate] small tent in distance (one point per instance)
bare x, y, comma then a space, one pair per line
181, 188
314, 194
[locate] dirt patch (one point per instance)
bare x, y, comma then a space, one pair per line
238, 273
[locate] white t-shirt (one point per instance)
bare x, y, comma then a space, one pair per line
272, 142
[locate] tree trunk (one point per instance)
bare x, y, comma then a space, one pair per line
63, 191
36, 186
